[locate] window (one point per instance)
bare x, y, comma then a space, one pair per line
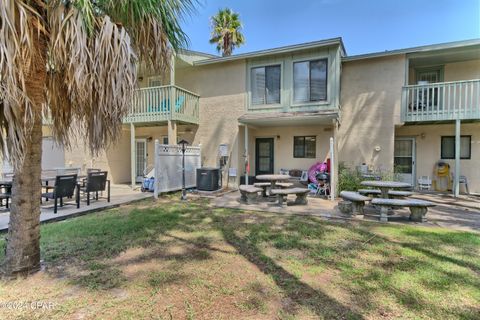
448, 147
165, 139
310, 81
265, 82
154, 82
304, 147
430, 75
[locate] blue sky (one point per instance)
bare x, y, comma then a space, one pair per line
365, 26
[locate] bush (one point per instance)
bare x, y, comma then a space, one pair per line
348, 179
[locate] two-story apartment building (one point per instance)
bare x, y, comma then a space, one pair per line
278, 108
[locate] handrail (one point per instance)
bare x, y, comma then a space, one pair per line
437, 83
441, 101
162, 103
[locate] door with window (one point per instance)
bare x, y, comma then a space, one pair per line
430, 95
404, 159
263, 156
140, 158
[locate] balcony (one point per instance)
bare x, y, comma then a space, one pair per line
442, 101
160, 104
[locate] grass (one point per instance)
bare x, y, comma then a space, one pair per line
175, 260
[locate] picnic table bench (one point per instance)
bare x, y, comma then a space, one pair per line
391, 193
357, 200
249, 193
300, 193
399, 194
418, 208
266, 185
385, 186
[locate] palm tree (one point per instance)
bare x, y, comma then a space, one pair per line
75, 61
226, 32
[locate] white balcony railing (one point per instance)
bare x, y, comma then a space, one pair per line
157, 104
441, 101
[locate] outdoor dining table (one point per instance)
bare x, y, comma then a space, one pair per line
385, 186
273, 178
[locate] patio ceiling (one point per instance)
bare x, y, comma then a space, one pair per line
275, 119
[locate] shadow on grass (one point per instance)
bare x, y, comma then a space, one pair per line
301, 293
420, 271
89, 242
417, 276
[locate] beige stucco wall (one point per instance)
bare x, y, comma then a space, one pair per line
117, 158
465, 70
222, 91
283, 145
428, 148
370, 100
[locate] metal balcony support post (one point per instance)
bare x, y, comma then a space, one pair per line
132, 154
456, 186
247, 164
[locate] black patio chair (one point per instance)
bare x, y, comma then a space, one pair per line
66, 186
5, 194
96, 182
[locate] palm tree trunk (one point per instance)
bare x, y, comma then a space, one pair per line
23, 242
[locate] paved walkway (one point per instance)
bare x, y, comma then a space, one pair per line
120, 194
459, 214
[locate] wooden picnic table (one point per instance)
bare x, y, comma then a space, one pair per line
385, 186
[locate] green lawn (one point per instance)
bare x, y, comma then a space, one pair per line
173, 260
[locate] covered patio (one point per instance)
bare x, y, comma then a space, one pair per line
278, 142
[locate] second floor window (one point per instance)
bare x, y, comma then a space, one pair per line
310, 81
265, 82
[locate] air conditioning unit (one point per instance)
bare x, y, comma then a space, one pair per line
208, 179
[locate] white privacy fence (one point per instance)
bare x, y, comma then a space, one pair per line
168, 167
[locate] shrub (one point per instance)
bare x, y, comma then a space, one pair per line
348, 179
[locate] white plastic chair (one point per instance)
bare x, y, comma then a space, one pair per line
424, 183
463, 180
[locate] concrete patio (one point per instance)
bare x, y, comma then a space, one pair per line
461, 213
120, 194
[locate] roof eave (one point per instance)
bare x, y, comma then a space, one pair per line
280, 50
431, 47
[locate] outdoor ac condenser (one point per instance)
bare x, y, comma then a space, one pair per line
208, 179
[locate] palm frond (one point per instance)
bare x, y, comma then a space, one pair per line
226, 31
91, 79
154, 26
91, 63
18, 21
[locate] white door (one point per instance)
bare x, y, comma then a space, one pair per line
404, 159
53, 155
140, 158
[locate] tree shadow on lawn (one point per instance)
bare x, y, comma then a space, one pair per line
368, 257
373, 268
89, 243
301, 293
